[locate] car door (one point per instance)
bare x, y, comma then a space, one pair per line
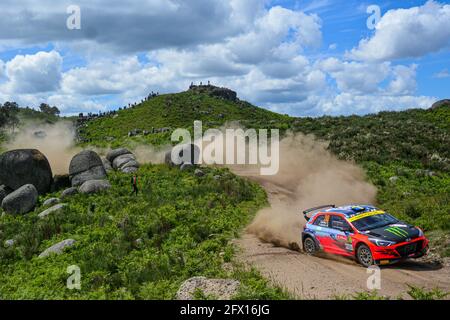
322, 231
341, 235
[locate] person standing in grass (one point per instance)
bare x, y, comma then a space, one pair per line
134, 182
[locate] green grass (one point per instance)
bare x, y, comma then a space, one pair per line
185, 224
177, 111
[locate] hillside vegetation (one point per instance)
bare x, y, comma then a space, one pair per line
406, 154
130, 247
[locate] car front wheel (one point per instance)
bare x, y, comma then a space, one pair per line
364, 255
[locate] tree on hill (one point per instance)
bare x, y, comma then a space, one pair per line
45, 108
8, 114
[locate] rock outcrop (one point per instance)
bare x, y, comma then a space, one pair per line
26, 166
85, 166
440, 103
21, 201
123, 160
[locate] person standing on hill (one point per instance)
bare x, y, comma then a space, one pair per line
134, 182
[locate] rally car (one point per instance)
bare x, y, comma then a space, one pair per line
365, 232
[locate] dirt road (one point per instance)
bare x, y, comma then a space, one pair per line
308, 277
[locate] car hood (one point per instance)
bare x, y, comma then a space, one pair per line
398, 232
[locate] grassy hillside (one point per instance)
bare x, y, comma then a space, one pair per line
183, 223
178, 111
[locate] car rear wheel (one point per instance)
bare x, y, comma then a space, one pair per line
309, 246
364, 255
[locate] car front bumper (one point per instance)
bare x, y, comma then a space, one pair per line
406, 250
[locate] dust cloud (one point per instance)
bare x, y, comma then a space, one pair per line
309, 176
55, 141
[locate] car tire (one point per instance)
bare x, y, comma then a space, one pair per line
309, 246
364, 256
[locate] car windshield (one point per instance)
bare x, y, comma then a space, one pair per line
373, 222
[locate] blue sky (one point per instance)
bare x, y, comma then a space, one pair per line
304, 58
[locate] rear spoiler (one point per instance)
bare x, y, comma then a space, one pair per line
305, 213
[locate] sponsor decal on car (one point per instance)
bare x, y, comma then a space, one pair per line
397, 231
364, 215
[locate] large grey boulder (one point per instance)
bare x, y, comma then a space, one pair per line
85, 166
21, 201
222, 289
4, 191
111, 155
95, 186
25, 166
54, 209
120, 161
57, 248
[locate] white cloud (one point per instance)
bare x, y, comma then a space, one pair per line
2, 70
404, 82
261, 53
442, 74
404, 33
40, 72
279, 32
356, 77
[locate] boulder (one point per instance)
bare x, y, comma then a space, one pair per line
94, 186
222, 289
107, 165
60, 182
25, 166
85, 166
55, 208
130, 170
69, 192
21, 201
4, 191
131, 163
120, 161
57, 248
50, 202
115, 153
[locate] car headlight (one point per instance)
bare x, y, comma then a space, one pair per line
420, 232
381, 243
